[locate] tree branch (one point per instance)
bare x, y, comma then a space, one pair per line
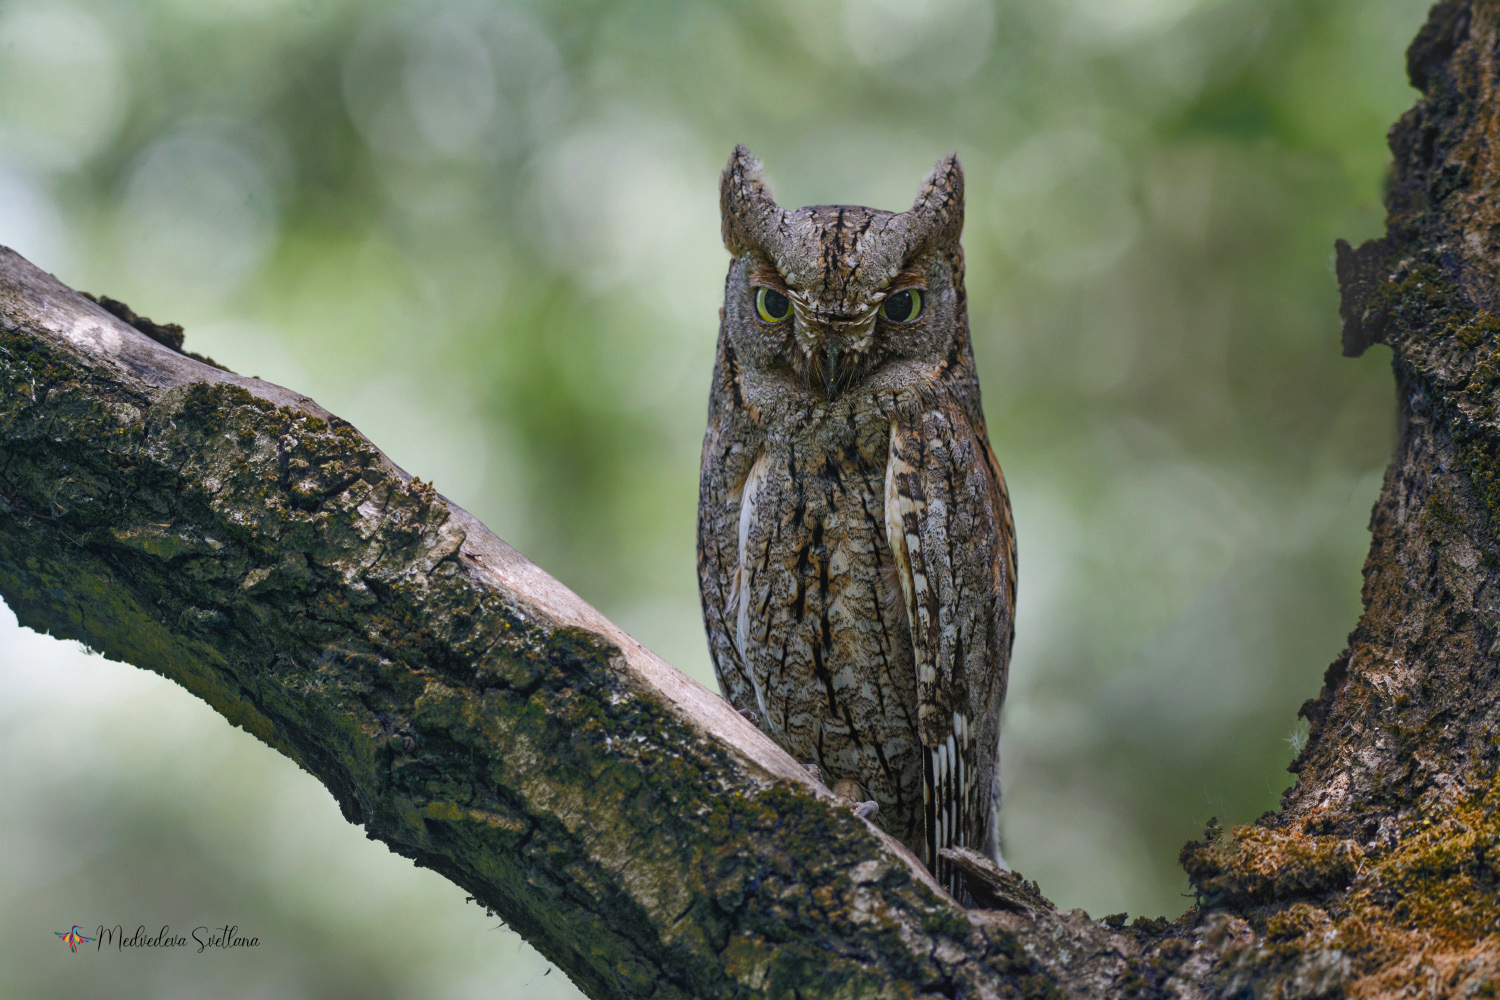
466, 708
485, 722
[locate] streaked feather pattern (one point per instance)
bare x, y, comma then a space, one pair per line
948, 520
856, 557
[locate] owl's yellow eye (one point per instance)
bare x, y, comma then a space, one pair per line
903, 307
771, 306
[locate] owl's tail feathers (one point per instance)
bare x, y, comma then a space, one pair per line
992, 821
975, 879
945, 798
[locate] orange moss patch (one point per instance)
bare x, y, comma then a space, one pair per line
1425, 913
1297, 922
1255, 865
1430, 910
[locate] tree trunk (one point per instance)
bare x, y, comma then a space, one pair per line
482, 720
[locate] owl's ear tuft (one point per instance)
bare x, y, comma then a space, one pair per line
749, 214
939, 208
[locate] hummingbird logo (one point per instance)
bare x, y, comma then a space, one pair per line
73, 939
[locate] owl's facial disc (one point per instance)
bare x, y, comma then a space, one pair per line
837, 291
833, 345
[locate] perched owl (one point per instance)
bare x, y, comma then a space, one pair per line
856, 555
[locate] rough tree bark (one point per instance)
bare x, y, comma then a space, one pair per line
480, 719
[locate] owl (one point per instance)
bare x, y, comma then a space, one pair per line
856, 554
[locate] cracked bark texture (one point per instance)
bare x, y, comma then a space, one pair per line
482, 720
461, 705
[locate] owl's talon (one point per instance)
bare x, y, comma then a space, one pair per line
814, 771
749, 716
866, 810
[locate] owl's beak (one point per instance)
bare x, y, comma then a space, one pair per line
832, 379
833, 347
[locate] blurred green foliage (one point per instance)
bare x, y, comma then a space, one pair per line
487, 234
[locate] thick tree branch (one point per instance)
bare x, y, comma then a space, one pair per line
480, 719
462, 705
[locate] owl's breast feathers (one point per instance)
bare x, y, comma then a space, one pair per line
803, 527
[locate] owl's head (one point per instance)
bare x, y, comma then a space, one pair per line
826, 297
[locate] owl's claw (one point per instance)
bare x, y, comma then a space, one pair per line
750, 716
814, 771
866, 810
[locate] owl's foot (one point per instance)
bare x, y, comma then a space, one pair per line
814, 771
854, 796
750, 716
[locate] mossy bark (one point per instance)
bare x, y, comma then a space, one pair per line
461, 705
473, 714
1380, 875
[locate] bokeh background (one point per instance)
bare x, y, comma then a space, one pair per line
486, 233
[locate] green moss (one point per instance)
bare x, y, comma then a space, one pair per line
1443, 516
1432, 901
1444, 877
1455, 348
205, 403
1421, 299
1478, 329
28, 362
1151, 925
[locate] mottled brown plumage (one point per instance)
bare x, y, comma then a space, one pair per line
856, 556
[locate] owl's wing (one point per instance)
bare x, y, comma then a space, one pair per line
949, 525
729, 450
